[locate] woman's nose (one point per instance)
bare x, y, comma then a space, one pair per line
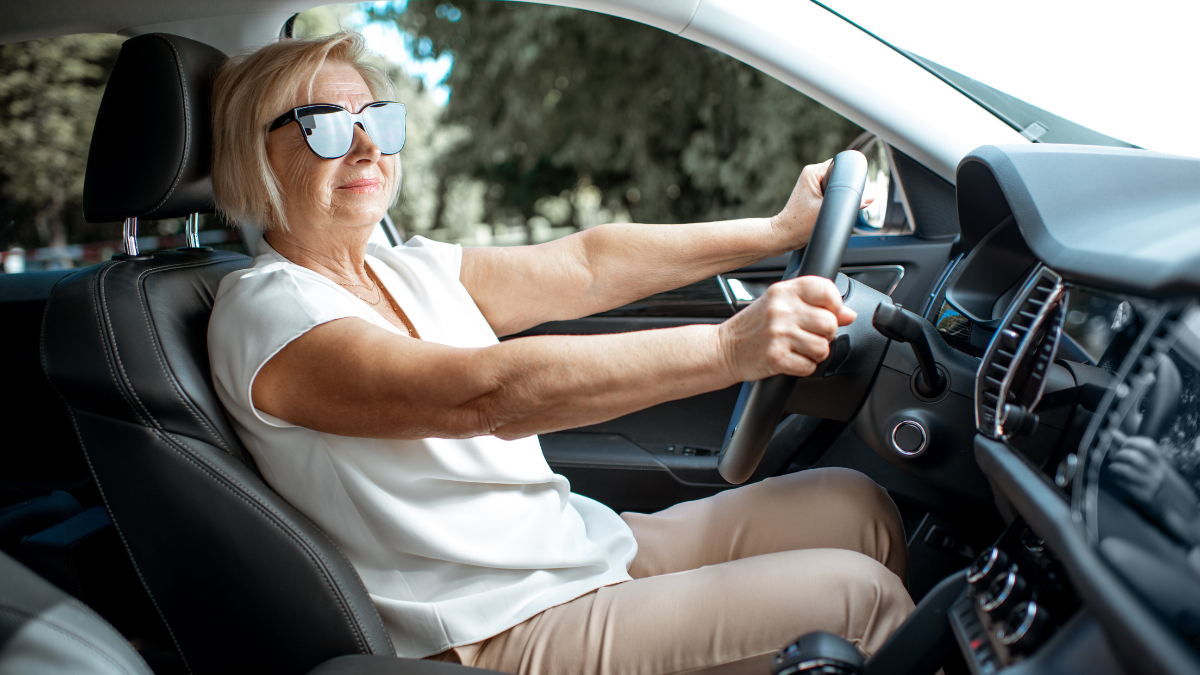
363, 149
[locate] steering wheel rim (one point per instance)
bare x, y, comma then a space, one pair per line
760, 405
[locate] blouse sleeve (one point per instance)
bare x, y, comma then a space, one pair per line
258, 312
448, 256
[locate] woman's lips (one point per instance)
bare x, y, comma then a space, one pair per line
361, 186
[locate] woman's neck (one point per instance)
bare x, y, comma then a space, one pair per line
338, 256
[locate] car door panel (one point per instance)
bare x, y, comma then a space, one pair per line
653, 458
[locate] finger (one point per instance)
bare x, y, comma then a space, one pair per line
819, 292
868, 196
815, 173
846, 316
1132, 457
819, 322
1130, 475
810, 345
1143, 443
798, 365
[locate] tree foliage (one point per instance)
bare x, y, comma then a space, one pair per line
559, 119
560, 100
50, 91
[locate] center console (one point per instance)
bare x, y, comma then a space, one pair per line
1016, 597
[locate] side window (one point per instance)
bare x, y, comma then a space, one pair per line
529, 122
50, 91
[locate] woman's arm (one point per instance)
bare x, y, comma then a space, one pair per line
350, 378
611, 265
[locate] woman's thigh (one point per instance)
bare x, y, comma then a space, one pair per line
726, 618
817, 508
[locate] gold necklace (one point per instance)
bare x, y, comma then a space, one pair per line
378, 288
372, 288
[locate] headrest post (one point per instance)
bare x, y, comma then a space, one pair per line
130, 236
191, 231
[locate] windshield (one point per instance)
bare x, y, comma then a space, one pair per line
1057, 72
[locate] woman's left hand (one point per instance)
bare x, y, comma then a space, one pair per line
794, 224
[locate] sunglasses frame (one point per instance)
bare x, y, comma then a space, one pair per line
356, 119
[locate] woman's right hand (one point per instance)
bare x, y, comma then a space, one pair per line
787, 330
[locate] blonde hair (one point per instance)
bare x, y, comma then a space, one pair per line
250, 91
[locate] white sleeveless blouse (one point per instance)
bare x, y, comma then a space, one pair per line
455, 540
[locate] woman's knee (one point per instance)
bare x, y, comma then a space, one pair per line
838, 590
876, 600
847, 488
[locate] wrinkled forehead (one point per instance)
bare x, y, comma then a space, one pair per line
336, 82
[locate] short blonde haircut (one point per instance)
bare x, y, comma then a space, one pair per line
250, 91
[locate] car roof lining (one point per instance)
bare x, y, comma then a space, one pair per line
33, 20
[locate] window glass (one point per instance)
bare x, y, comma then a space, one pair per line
50, 91
528, 122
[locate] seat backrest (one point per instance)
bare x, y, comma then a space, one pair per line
243, 581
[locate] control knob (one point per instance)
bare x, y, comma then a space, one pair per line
1007, 592
989, 565
1025, 629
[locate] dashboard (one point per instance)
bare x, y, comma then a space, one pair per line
1083, 335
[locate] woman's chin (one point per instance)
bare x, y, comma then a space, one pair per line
360, 209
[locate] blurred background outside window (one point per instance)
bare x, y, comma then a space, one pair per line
525, 123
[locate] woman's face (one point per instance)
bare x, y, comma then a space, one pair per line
351, 192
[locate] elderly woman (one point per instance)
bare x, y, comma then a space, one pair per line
370, 387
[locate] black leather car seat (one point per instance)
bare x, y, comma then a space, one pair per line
44, 631
243, 581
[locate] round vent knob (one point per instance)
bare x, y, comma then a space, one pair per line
1025, 629
1006, 592
989, 565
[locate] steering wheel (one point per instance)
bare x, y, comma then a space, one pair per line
760, 405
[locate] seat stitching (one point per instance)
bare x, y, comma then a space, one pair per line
88, 458
187, 124
187, 454
157, 342
229, 483
108, 339
31, 618
121, 535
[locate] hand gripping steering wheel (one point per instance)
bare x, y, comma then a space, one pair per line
761, 404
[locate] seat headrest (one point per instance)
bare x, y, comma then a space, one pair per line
152, 142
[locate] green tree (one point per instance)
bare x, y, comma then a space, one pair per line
50, 91
575, 116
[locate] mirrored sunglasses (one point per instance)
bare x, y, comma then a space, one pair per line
329, 129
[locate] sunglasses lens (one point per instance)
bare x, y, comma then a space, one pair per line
327, 130
385, 123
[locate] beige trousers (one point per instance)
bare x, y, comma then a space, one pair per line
721, 584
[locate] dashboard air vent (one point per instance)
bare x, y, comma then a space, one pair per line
1013, 370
